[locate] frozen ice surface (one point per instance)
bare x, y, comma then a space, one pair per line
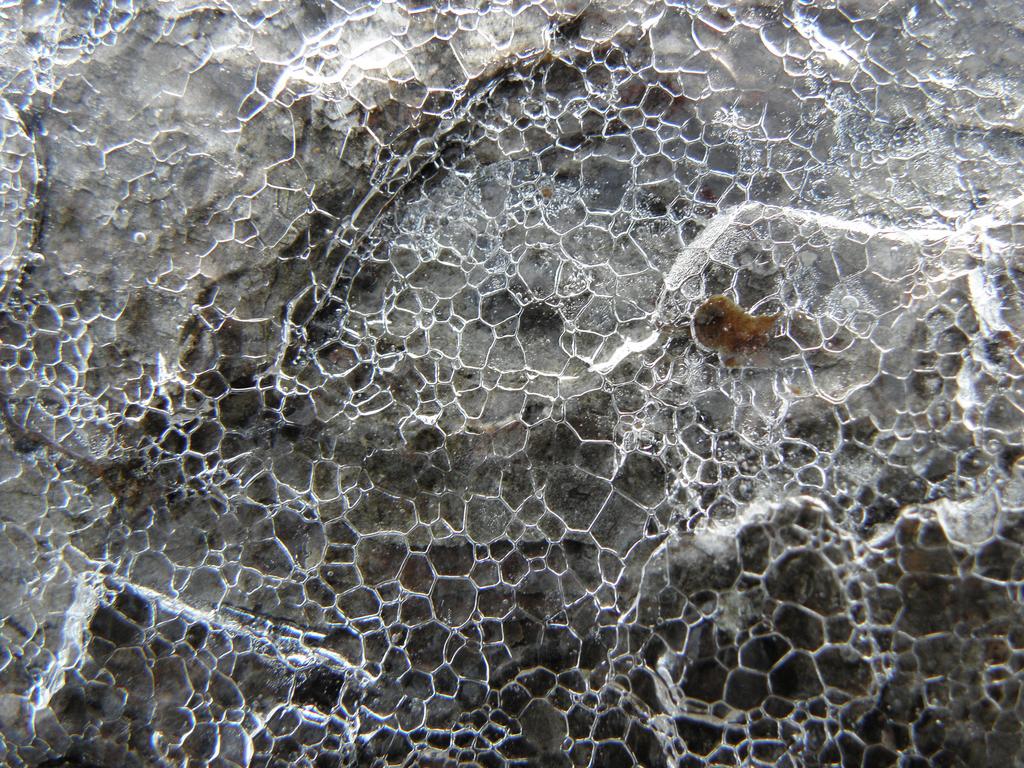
511, 384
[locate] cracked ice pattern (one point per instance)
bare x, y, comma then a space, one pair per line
512, 384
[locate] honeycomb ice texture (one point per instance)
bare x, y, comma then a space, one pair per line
509, 383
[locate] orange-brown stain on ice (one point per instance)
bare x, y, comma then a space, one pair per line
720, 324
